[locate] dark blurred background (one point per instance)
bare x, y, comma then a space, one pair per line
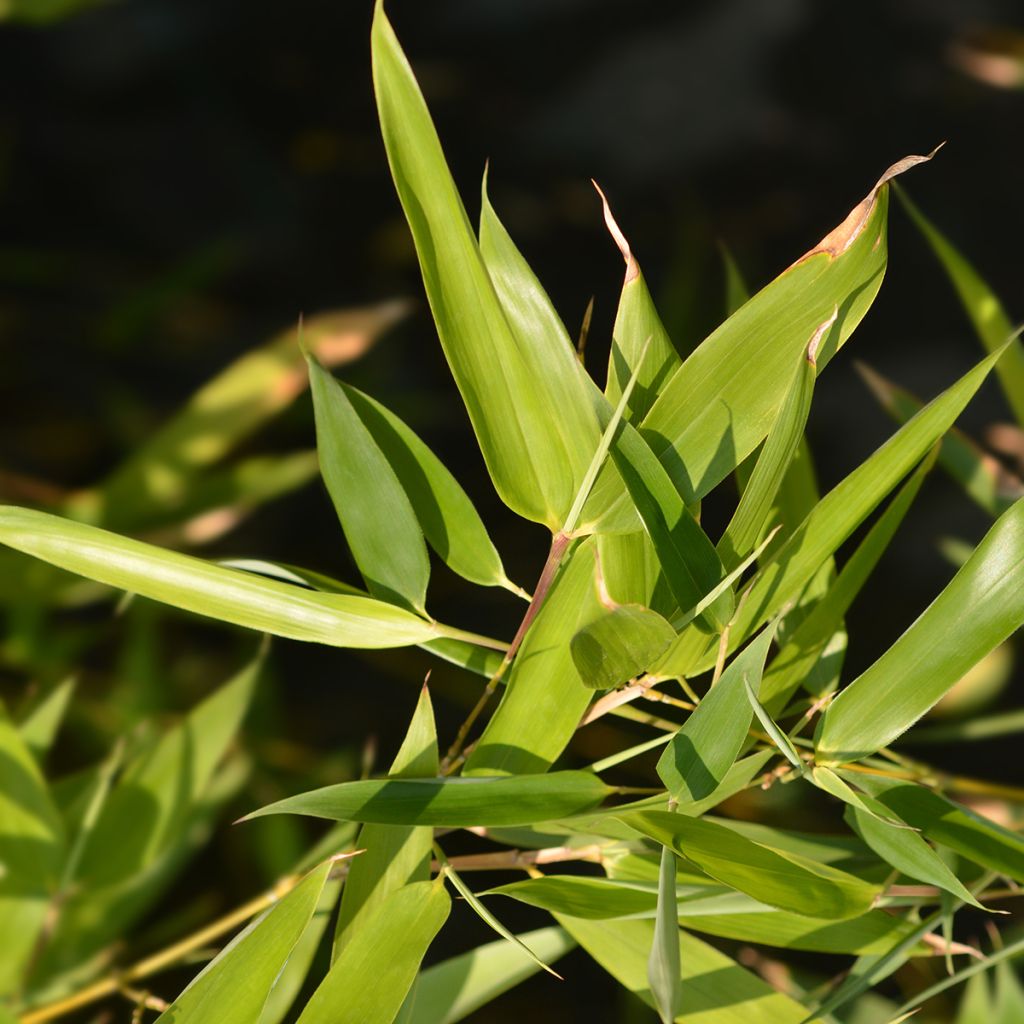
180, 180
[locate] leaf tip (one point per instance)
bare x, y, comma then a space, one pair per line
632, 267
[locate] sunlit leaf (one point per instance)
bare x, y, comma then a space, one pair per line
42, 717
370, 979
234, 987
457, 802
699, 755
980, 607
619, 645
207, 589
663, 962
379, 522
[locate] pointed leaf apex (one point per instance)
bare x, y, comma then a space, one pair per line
632, 267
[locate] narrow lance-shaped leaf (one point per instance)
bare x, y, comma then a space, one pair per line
751, 518
492, 922
380, 525
949, 824
40, 720
699, 755
982, 305
663, 962
395, 854
722, 401
777, 736
846, 506
637, 329
908, 853
793, 665
784, 880
980, 607
450, 523
627, 639
369, 981
234, 987
536, 431
455, 801
983, 477
207, 589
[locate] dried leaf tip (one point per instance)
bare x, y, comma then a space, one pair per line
839, 239
632, 267
819, 333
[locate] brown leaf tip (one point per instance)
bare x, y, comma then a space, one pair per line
840, 238
632, 267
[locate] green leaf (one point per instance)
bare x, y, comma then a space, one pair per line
977, 611
40, 720
982, 305
908, 853
234, 987
722, 401
582, 896
846, 506
715, 989
545, 698
31, 847
292, 978
808, 643
698, 757
775, 734
951, 825
736, 290
491, 921
663, 962
207, 589
457, 802
370, 979
528, 405
976, 1005
395, 854
784, 880
379, 522
752, 516
984, 478
624, 641
637, 329
453, 989
450, 523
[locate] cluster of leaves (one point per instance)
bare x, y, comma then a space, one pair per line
635, 602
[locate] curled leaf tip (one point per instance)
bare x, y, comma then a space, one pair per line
632, 267
819, 332
840, 238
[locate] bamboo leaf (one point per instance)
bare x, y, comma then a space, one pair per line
663, 962
450, 523
705, 748
545, 698
234, 987
908, 853
492, 922
208, 589
40, 720
981, 304
536, 430
379, 522
370, 979
846, 506
637, 329
784, 880
458, 802
777, 736
949, 824
453, 989
752, 515
808, 643
395, 854
978, 610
